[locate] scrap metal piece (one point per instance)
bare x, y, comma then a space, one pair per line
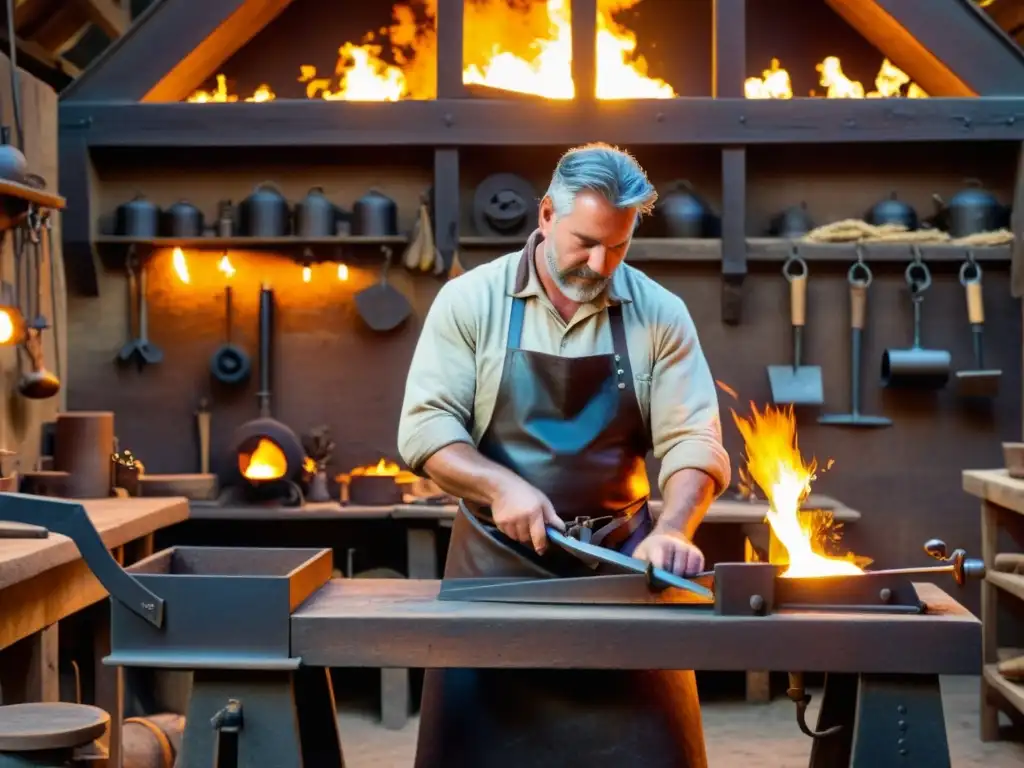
70, 519
626, 589
595, 556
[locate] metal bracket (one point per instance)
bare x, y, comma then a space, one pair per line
70, 519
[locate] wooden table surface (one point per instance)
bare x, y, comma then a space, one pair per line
398, 623
722, 511
997, 486
117, 520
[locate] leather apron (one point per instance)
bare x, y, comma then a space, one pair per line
571, 427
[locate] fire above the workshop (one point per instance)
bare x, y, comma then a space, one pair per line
775, 464
522, 47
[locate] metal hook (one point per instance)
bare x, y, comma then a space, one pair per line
794, 260
970, 271
917, 274
859, 274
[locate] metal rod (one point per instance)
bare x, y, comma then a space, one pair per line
917, 321
798, 345
266, 348
977, 337
856, 341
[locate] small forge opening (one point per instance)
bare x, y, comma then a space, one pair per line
267, 464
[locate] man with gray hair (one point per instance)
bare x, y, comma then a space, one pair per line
539, 384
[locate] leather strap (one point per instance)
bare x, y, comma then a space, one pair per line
166, 750
615, 533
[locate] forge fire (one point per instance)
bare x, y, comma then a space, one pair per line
526, 47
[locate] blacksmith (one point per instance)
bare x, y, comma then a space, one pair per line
539, 384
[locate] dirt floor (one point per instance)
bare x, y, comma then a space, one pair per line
739, 735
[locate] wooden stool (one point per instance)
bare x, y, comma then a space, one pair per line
49, 735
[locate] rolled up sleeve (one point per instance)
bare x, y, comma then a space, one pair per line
438, 404
686, 426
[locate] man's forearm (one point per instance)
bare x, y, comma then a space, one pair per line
687, 496
461, 470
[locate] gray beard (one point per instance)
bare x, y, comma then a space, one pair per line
572, 286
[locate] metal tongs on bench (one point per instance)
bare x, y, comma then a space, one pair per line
631, 581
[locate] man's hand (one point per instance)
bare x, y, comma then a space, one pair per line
520, 512
671, 552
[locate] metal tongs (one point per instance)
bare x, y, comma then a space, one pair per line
634, 580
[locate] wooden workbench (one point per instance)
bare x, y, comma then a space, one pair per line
421, 530
390, 623
45, 580
1002, 516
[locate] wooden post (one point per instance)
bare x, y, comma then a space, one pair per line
450, 33
728, 73
989, 615
583, 21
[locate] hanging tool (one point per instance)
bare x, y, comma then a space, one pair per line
38, 383
859, 277
980, 382
230, 363
916, 367
381, 305
203, 427
796, 384
139, 349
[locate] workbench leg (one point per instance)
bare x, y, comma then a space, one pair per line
759, 687
421, 563
28, 669
989, 618
899, 720
838, 707
109, 694
288, 719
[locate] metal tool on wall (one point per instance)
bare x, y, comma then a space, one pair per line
859, 277
139, 348
203, 429
382, 306
230, 363
37, 383
980, 382
796, 384
917, 366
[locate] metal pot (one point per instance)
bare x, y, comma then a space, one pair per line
183, 220
264, 213
792, 223
138, 218
375, 215
682, 212
970, 211
315, 215
13, 165
892, 211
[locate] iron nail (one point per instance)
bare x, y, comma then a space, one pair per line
617, 358
621, 371
621, 385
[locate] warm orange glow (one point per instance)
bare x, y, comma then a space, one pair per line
522, 47
266, 462
181, 266
225, 267
890, 82
381, 468
309, 466
6, 327
307, 274
342, 272
775, 464
221, 95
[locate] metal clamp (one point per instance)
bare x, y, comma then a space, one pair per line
69, 519
582, 527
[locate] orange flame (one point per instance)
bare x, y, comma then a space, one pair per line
307, 274
521, 47
342, 272
775, 464
266, 462
890, 81
180, 265
225, 267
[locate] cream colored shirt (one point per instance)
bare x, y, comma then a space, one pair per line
453, 379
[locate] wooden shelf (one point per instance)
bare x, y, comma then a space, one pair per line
1012, 692
995, 486
1008, 582
249, 243
28, 194
768, 249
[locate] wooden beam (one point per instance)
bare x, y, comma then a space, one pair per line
583, 20
446, 204
112, 18
450, 32
486, 122
948, 47
172, 48
79, 222
729, 64
1017, 224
